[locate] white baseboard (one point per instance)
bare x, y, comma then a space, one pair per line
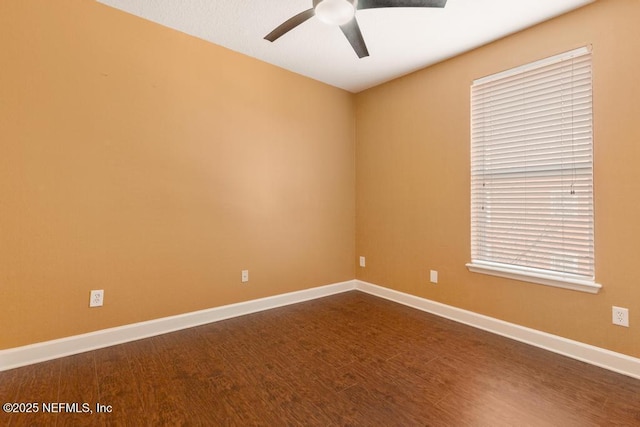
40, 352
597, 356
48, 350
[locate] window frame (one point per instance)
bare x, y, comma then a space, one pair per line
566, 280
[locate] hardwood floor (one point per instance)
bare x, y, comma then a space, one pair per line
348, 359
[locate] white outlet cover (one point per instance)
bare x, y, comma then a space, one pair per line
96, 299
245, 276
433, 276
363, 261
620, 316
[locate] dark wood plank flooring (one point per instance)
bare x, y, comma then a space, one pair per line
348, 359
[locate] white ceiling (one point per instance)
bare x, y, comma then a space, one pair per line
400, 40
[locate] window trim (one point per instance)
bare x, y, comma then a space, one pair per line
529, 274
534, 275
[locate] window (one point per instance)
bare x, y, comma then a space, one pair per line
532, 173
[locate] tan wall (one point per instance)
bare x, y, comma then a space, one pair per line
155, 166
412, 184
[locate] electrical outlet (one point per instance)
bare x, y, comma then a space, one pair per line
433, 276
620, 316
97, 298
245, 276
363, 261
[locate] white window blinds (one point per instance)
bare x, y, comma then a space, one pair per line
532, 171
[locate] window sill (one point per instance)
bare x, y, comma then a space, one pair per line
534, 276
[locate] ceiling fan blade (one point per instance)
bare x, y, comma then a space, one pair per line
370, 4
352, 31
289, 25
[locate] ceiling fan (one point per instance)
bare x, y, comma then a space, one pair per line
342, 13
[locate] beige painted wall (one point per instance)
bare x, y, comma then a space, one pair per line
155, 166
412, 183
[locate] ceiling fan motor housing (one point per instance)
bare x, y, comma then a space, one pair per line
353, 2
335, 12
